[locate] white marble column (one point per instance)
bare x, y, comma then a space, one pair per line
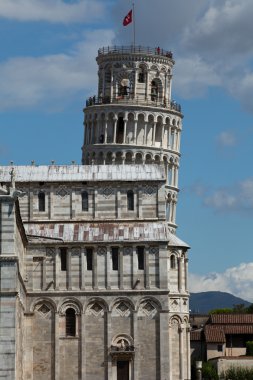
181, 351
115, 129
121, 268
135, 131
56, 347
162, 136
108, 343
108, 268
106, 126
145, 133
69, 271
57, 269
82, 347
125, 128
154, 132
186, 273
169, 137
83, 262
146, 267
44, 273
94, 269
180, 264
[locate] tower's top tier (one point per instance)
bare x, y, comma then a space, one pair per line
134, 74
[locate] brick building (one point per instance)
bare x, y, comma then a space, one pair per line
93, 277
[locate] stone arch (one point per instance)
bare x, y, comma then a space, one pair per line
117, 339
118, 158
142, 73
96, 307
157, 159
138, 158
109, 158
176, 320
154, 67
40, 301
156, 92
149, 158
152, 299
129, 157
119, 302
124, 83
72, 303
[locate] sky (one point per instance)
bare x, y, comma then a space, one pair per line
48, 69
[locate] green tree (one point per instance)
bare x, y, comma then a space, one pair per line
209, 372
224, 310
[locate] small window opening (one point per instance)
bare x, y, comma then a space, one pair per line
120, 130
219, 348
89, 255
63, 255
115, 258
140, 254
141, 77
154, 91
85, 201
70, 322
42, 201
172, 262
130, 200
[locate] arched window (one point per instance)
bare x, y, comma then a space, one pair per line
42, 201
70, 322
154, 91
130, 200
85, 201
172, 262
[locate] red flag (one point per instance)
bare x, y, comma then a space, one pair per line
129, 18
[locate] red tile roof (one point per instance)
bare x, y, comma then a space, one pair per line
196, 335
214, 334
231, 319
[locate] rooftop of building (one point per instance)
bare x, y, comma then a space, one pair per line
91, 232
75, 173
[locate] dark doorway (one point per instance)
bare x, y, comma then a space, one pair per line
120, 131
123, 370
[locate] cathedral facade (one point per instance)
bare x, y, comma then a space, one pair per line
93, 276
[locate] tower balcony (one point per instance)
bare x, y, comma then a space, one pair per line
137, 100
143, 50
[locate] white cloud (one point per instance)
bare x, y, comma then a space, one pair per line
211, 41
236, 280
29, 81
193, 76
238, 198
52, 10
227, 139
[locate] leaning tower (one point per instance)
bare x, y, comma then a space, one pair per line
133, 119
93, 277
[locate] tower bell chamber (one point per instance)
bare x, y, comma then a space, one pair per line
133, 119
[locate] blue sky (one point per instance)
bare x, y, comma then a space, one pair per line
48, 69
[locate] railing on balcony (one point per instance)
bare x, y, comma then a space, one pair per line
135, 50
94, 100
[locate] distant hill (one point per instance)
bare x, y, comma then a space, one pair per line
205, 301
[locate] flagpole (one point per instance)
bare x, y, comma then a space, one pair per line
134, 23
